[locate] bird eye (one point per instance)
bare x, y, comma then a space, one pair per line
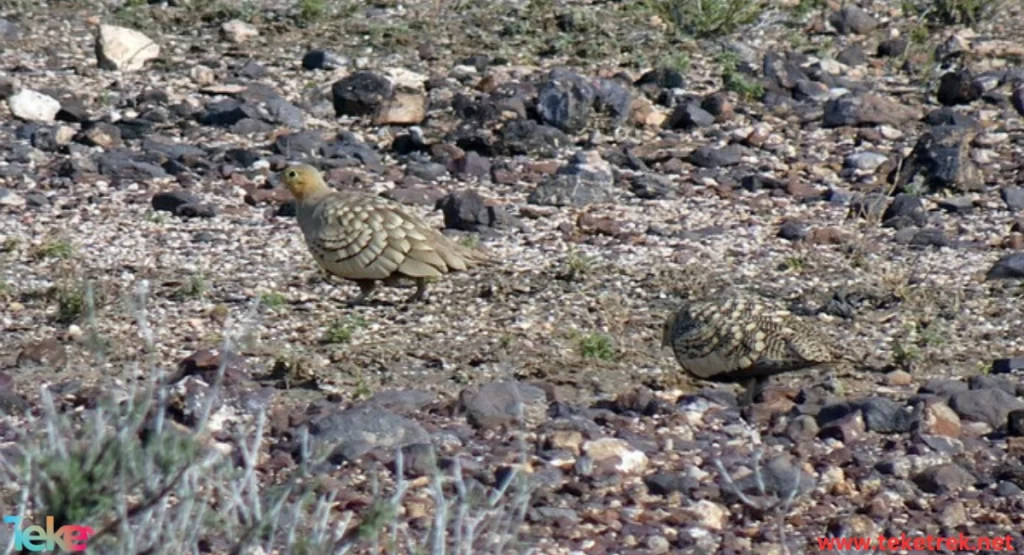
292, 174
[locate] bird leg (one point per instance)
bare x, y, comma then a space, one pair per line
752, 389
366, 287
421, 291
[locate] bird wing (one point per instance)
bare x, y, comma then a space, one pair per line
359, 236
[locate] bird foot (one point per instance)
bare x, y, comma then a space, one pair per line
419, 297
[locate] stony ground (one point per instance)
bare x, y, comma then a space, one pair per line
861, 165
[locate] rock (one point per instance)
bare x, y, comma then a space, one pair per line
402, 401
665, 483
564, 101
360, 429
101, 134
892, 48
802, 428
500, 403
123, 49
1004, 383
689, 115
122, 164
472, 165
170, 201
782, 72
904, 211
658, 79
938, 419
1013, 196
942, 157
867, 109
707, 514
1007, 365
651, 186
322, 59
29, 105
237, 31
629, 460
206, 364
708, 156
943, 387
402, 107
719, 105
468, 211
990, 406
615, 98
9, 31
852, 56
49, 353
309, 143
587, 179
898, 378
360, 93
1010, 266
958, 87
865, 161
1017, 99
943, 478
527, 137
792, 230
1015, 423
852, 20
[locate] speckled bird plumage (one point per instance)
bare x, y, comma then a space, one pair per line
368, 239
736, 338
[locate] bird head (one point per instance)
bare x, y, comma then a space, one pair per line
304, 181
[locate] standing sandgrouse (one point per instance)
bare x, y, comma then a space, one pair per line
368, 239
734, 338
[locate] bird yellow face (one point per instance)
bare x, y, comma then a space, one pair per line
302, 180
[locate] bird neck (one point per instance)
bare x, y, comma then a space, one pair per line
313, 193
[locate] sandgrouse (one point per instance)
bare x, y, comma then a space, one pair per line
369, 239
737, 338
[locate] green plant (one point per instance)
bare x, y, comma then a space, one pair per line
70, 303
341, 331
805, 7
679, 61
969, 12
596, 345
61, 249
952, 12
310, 11
143, 469
193, 288
795, 263
9, 244
904, 355
708, 18
734, 80
576, 266
273, 300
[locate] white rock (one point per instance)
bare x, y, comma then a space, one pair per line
202, 75
402, 78
238, 31
8, 198
708, 514
30, 105
631, 460
123, 49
